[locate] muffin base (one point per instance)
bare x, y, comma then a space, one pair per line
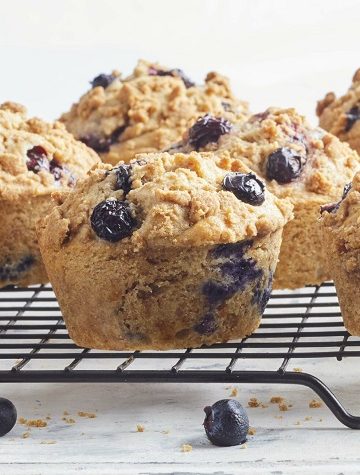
20, 258
114, 299
302, 258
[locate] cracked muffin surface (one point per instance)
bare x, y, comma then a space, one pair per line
36, 158
306, 165
168, 251
147, 111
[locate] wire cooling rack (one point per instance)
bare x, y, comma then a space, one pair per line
305, 324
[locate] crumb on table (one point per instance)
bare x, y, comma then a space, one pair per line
186, 448
89, 415
234, 392
251, 431
26, 435
254, 402
48, 442
298, 370
140, 428
32, 422
283, 407
276, 400
314, 404
69, 420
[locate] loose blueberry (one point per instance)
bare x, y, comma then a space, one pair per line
246, 187
13, 271
207, 325
352, 116
102, 80
177, 73
37, 159
333, 207
8, 416
123, 178
284, 165
208, 129
112, 220
226, 423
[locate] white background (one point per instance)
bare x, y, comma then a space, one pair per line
277, 52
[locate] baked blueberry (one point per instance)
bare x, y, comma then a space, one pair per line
207, 325
99, 144
12, 271
112, 220
246, 187
37, 159
179, 73
352, 116
102, 80
226, 423
284, 165
123, 178
8, 416
207, 129
333, 207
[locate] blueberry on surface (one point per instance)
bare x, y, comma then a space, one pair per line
177, 73
352, 116
246, 187
8, 416
37, 159
284, 165
123, 178
226, 423
208, 129
112, 220
103, 80
99, 144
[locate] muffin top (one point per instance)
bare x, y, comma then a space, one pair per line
37, 157
296, 160
162, 200
342, 219
341, 115
147, 111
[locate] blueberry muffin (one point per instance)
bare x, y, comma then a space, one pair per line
341, 115
168, 251
36, 158
341, 239
306, 165
147, 111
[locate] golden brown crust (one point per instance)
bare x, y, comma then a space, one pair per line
341, 237
149, 290
330, 164
154, 110
333, 113
25, 195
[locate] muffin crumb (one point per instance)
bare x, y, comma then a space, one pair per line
234, 392
283, 407
186, 448
89, 415
140, 428
276, 400
314, 404
251, 431
254, 402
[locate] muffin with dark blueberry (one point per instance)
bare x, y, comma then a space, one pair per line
341, 115
36, 159
341, 239
304, 164
147, 111
168, 251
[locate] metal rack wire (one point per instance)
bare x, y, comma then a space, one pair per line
305, 324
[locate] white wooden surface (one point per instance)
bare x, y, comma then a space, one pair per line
277, 53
